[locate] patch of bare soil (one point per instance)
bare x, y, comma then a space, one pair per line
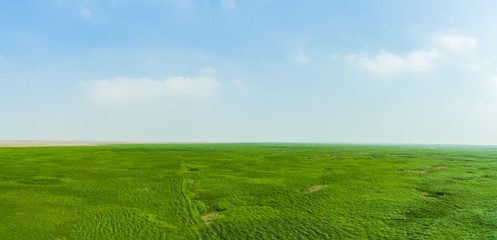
314, 188
424, 194
193, 195
210, 217
427, 170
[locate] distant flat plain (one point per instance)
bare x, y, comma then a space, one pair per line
246, 191
49, 143
28, 143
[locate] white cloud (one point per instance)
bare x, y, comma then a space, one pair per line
60, 2
1, 56
207, 71
199, 86
456, 42
300, 57
494, 80
228, 4
183, 4
86, 13
388, 63
473, 66
126, 89
238, 83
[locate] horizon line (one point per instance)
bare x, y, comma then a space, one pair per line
28, 143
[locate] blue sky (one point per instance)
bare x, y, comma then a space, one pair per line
233, 70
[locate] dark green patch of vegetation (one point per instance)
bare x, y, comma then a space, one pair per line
248, 191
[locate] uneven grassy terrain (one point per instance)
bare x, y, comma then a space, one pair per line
248, 191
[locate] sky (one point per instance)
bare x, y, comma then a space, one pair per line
383, 71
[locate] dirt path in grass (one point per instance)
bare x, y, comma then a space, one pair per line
210, 217
427, 170
314, 188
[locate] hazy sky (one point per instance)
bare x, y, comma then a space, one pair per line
247, 70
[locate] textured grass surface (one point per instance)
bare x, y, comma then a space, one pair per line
248, 191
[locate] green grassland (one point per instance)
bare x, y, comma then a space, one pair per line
248, 191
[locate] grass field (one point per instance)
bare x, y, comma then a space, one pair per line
248, 191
